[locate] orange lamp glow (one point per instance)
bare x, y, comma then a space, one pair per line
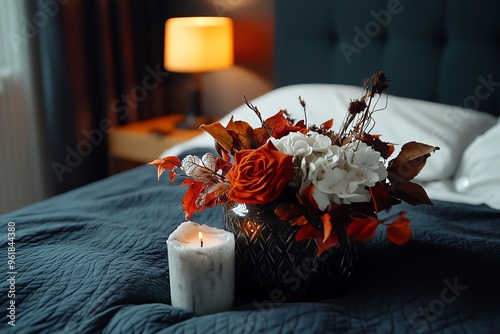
198, 44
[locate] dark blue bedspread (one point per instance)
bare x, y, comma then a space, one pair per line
95, 260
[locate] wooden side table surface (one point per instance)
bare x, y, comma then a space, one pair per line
142, 142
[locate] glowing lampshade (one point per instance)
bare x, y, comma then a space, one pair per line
198, 44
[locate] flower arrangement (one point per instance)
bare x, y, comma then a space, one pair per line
342, 179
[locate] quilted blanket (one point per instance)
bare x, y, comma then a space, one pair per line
95, 260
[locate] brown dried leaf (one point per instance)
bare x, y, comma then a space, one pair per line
243, 133
385, 149
261, 136
411, 193
409, 161
382, 200
220, 134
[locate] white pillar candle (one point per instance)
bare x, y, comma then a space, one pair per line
201, 278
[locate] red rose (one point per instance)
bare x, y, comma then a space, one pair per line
259, 176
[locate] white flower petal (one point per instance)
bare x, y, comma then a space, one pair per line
323, 200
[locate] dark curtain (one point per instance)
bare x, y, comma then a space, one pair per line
101, 65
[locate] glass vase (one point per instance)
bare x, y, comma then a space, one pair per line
272, 266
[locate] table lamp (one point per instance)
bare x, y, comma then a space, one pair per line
195, 45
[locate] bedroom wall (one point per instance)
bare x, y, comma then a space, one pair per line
252, 74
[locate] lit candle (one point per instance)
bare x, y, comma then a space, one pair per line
201, 266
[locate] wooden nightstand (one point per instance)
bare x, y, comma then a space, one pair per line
138, 143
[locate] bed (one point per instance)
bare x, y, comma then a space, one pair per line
95, 259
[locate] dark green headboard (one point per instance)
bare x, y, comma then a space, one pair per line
436, 50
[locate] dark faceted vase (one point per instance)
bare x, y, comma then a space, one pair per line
272, 266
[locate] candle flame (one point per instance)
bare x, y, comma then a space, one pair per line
200, 236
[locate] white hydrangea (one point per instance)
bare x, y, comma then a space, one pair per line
339, 174
366, 162
302, 145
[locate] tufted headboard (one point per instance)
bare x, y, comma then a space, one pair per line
436, 50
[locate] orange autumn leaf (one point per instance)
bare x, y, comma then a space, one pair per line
330, 242
327, 125
307, 232
409, 161
293, 213
277, 120
299, 221
191, 198
163, 164
220, 134
327, 226
301, 124
362, 229
172, 175
399, 232
279, 125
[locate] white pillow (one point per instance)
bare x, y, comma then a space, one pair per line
478, 174
450, 128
